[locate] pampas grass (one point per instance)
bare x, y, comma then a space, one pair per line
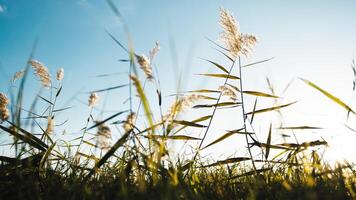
131, 154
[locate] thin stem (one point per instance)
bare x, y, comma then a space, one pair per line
211, 119
244, 115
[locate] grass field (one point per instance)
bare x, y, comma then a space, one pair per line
140, 163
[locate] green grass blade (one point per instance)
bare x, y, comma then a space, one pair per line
218, 66
268, 141
260, 94
228, 161
330, 96
221, 76
108, 154
270, 109
223, 137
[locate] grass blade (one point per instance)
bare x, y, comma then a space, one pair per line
223, 137
218, 66
268, 141
270, 109
107, 119
260, 94
173, 137
299, 127
258, 62
330, 96
188, 123
228, 161
222, 104
108, 154
221, 76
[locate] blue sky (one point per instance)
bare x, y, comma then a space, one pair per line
310, 39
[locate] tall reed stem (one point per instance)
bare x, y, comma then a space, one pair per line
244, 115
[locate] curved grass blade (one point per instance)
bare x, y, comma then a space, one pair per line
260, 94
144, 100
304, 144
228, 161
251, 173
200, 119
107, 119
218, 66
204, 91
222, 104
270, 109
330, 96
253, 111
188, 123
44, 158
108, 154
223, 137
258, 62
299, 127
36, 143
174, 137
221, 76
268, 141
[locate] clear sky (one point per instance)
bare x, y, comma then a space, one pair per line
315, 40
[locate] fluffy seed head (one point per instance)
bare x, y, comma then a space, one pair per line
60, 74
145, 65
41, 72
236, 42
227, 91
17, 76
130, 121
50, 125
4, 112
93, 99
3, 100
154, 51
103, 139
181, 105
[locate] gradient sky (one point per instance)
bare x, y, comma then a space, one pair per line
315, 40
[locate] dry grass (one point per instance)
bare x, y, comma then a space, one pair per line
140, 165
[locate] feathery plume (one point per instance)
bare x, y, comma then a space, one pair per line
4, 112
236, 42
60, 74
154, 51
103, 139
227, 91
129, 123
17, 76
41, 72
93, 99
181, 105
145, 65
50, 125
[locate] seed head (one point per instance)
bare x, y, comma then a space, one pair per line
235, 41
93, 99
50, 125
17, 76
229, 92
104, 137
130, 121
4, 112
60, 74
154, 51
181, 105
41, 72
145, 65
